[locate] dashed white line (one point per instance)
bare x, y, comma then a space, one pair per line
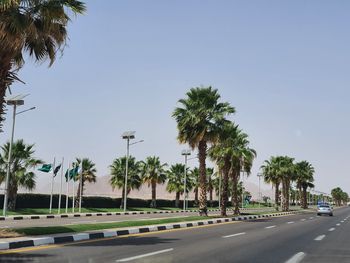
291, 222
338, 224
302, 219
296, 258
145, 255
268, 227
234, 235
319, 238
331, 229
311, 218
342, 221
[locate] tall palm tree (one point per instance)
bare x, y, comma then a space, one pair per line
175, 176
34, 28
153, 173
199, 119
305, 176
21, 174
210, 184
221, 152
87, 174
117, 180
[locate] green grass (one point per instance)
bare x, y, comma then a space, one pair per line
89, 227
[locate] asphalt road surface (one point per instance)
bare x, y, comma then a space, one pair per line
291, 239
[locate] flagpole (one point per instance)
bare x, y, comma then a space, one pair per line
60, 195
81, 186
73, 195
67, 183
52, 180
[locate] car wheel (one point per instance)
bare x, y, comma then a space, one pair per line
318, 214
330, 214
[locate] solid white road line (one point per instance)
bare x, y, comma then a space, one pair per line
268, 227
338, 224
234, 235
291, 222
145, 255
319, 238
296, 258
331, 229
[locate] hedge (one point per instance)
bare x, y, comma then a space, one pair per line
43, 201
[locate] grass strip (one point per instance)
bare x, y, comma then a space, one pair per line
89, 227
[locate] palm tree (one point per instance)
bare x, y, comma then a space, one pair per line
305, 177
34, 28
269, 170
221, 152
87, 174
22, 162
210, 184
241, 160
117, 180
153, 173
175, 176
199, 119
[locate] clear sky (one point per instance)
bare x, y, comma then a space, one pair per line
284, 65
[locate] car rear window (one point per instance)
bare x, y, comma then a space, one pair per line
325, 206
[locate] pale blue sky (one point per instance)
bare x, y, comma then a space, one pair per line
284, 65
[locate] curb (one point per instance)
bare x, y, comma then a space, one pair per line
33, 217
33, 242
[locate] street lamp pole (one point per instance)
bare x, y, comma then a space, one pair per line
9, 161
185, 153
129, 135
259, 175
14, 101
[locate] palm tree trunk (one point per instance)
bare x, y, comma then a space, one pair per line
196, 195
235, 202
277, 195
154, 187
202, 154
304, 197
77, 200
12, 197
122, 199
211, 197
177, 199
285, 195
224, 197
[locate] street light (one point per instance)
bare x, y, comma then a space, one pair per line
259, 175
185, 153
13, 101
129, 135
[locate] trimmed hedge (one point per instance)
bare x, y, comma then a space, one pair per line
43, 201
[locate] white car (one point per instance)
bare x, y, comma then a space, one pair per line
324, 209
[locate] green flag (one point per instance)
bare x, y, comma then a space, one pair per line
45, 168
72, 174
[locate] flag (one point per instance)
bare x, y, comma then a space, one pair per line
55, 171
45, 168
72, 174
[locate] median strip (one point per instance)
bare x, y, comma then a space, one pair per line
76, 232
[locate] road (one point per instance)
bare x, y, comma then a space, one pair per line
95, 219
292, 239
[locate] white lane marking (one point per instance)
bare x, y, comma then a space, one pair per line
319, 238
145, 255
342, 221
291, 222
331, 229
296, 258
338, 224
302, 219
268, 227
234, 235
311, 218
